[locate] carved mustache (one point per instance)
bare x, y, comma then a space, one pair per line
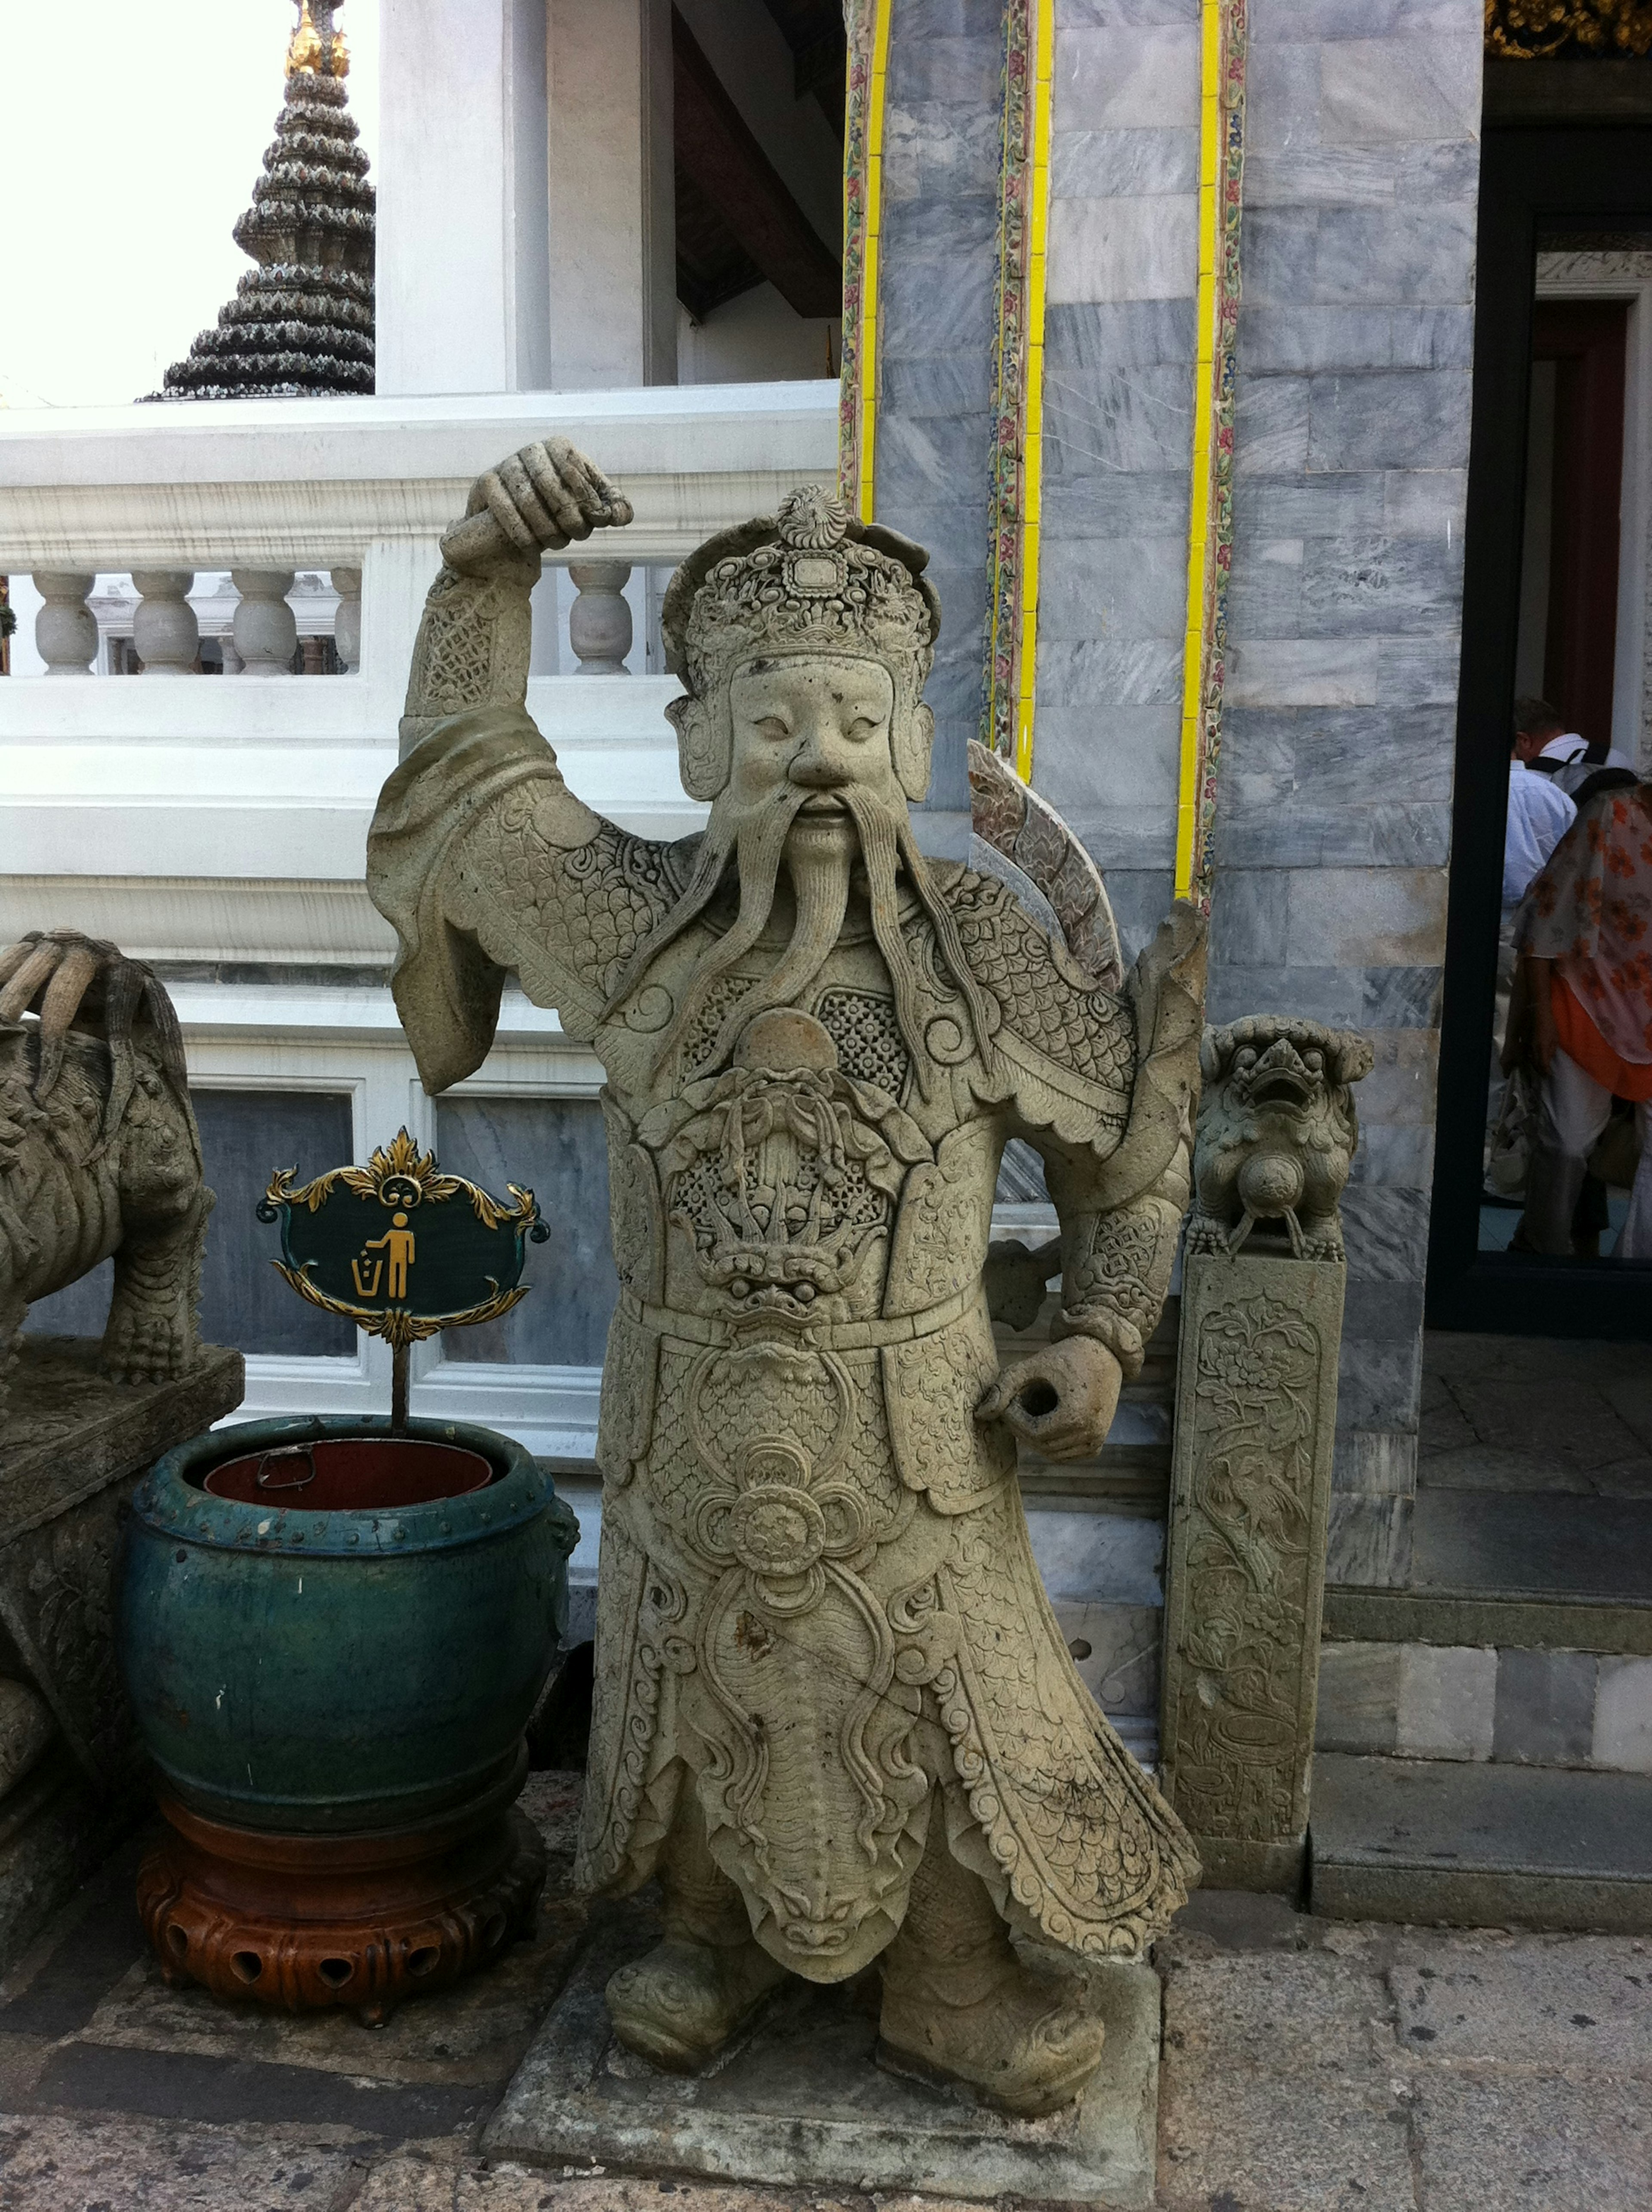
819, 870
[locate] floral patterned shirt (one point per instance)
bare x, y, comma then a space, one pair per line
1590, 912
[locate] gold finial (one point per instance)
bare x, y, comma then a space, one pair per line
306, 53
339, 55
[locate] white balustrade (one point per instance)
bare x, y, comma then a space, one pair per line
600, 620
346, 623
65, 630
165, 632
266, 631
265, 863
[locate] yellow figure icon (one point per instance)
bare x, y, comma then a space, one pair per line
396, 1244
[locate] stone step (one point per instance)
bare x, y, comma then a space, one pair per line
1480, 1845
1542, 1542
1357, 1613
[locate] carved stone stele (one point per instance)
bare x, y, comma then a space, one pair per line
833, 1710
1255, 1424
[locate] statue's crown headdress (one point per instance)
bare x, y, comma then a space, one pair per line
808, 579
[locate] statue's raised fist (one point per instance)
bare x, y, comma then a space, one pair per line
539, 500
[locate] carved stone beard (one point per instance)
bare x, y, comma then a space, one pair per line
818, 852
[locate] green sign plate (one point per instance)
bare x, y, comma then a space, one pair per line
397, 1247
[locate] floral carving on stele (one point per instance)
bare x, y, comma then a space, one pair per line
1248, 1578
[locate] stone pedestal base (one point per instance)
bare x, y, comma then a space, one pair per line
798, 2097
308, 1922
73, 1445
54, 1829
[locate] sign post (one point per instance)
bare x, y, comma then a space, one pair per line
402, 1249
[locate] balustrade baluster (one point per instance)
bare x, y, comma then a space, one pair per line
347, 629
266, 629
65, 628
600, 620
165, 636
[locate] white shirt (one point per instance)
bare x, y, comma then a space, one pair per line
1540, 815
1576, 767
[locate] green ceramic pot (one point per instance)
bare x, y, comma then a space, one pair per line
348, 1663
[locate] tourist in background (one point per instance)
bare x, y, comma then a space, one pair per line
1584, 931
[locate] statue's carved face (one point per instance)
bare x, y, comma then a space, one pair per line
822, 757
821, 723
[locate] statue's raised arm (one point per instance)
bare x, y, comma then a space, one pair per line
478, 803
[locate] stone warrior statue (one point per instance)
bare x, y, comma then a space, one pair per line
834, 1711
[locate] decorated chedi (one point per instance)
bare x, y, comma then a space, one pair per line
833, 1713
301, 322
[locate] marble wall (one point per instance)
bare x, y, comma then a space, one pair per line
1351, 449
1351, 446
939, 260
1118, 400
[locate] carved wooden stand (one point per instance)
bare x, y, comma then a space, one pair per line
300, 1922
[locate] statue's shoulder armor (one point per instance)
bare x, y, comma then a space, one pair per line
1046, 1000
597, 900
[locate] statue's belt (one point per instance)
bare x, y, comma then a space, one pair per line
824, 1336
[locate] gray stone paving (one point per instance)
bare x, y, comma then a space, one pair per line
1308, 2067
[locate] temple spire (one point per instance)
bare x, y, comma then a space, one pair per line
301, 324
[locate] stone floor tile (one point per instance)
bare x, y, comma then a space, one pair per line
1547, 1400
1629, 1396
1503, 2140
1233, 1920
1277, 2010
415, 2184
412, 2186
1277, 2090
1533, 2001
1248, 2140
51, 2163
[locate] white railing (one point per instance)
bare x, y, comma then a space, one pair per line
138, 802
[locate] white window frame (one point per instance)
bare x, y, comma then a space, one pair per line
346, 1041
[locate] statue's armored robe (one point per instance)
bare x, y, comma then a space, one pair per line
818, 1607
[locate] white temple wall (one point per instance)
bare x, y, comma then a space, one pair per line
464, 282
612, 288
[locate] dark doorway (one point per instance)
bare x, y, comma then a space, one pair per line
1569, 579
1540, 614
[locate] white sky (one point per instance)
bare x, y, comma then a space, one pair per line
131, 137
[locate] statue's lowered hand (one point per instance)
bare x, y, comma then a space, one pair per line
538, 501
1061, 1397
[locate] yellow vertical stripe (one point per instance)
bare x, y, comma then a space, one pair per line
1032, 464
1199, 519
866, 356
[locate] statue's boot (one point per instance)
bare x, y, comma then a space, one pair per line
959, 2006
678, 2005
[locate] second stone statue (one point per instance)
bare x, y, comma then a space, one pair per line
833, 1713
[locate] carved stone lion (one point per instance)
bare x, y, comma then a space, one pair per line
1277, 1133
98, 1150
